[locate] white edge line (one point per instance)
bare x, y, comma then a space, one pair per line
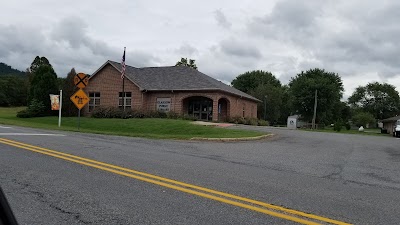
29, 134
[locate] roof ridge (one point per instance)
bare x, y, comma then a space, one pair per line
181, 77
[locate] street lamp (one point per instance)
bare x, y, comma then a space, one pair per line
265, 107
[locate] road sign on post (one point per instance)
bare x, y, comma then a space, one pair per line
81, 80
80, 99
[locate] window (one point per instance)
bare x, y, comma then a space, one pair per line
244, 107
94, 100
128, 100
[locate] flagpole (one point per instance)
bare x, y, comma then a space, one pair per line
123, 92
123, 65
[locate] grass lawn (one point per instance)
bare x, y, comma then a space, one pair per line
149, 128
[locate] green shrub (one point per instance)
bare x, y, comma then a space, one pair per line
136, 114
251, 121
155, 114
237, 120
337, 126
173, 115
347, 125
109, 112
35, 109
263, 123
23, 114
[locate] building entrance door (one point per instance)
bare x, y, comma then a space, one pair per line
200, 108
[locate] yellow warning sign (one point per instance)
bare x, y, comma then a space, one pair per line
80, 99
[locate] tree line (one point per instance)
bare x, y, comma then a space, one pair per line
33, 87
374, 101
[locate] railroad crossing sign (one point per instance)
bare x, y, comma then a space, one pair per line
80, 99
81, 80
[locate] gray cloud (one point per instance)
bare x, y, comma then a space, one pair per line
357, 39
186, 50
332, 36
221, 19
67, 45
241, 49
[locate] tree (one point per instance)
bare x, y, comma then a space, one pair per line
330, 90
250, 80
43, 84
271, 97
266, 87
184, 62
69, 88
37, 62
8, 70
343, 112
381, 100
13, 86
363, 118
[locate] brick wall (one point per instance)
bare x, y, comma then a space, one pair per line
234, 106
109, 83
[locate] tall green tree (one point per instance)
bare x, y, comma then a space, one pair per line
267, 88
37, 62
43, 84
69, 88
250, 80
330, 90
271, 105
381, 100
184, 62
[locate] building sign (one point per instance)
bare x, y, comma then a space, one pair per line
163, 104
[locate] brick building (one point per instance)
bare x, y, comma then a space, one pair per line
179, 89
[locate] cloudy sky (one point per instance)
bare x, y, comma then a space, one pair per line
358, 39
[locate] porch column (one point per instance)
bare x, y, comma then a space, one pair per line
215, 110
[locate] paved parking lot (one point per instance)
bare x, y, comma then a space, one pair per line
349, 178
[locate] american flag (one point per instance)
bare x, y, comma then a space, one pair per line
123, 65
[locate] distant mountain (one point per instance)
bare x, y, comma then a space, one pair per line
7, 70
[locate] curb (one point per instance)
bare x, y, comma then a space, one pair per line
232, 139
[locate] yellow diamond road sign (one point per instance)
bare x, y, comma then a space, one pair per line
80, 99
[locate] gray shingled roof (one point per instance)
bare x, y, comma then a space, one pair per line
175, 78
391, 119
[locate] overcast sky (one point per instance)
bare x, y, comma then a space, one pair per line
357, 39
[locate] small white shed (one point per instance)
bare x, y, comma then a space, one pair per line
292, 121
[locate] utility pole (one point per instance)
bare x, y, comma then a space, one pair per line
265, 108
315, 110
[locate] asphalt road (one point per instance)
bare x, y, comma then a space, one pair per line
349, 178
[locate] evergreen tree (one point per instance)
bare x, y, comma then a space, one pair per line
43, 84
69, 88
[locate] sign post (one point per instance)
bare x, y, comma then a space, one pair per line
59, 111
79, 98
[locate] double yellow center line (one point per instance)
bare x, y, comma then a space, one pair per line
258, 206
